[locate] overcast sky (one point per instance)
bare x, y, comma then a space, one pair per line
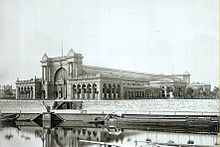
141, 35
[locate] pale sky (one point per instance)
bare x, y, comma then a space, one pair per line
139, 35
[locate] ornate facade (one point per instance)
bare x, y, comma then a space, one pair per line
28, 89
66, 77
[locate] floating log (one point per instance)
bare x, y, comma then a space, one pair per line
188, 123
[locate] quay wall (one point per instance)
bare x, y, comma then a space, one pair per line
123, 106
24, 105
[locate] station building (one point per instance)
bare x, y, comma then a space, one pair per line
66, 77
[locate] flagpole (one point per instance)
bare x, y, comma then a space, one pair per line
62, 47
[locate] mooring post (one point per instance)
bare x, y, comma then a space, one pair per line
1, 115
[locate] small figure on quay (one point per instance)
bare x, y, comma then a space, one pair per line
47, 107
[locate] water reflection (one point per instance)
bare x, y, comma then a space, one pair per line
35, 136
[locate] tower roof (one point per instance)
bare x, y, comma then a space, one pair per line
186, 73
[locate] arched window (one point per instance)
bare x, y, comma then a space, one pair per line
61, 75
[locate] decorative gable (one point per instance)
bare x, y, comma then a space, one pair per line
71, 53
45, 58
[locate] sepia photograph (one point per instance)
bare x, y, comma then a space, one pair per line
109, 73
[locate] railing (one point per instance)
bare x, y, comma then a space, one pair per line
152, 112
141, 112
105, 143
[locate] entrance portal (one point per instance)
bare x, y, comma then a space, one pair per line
60, 84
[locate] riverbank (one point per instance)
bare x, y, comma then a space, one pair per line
173, 123
164, 112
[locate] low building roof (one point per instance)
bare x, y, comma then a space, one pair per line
123, 74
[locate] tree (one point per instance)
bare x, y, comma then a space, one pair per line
189, 92
8, 93
179, 91
215, 92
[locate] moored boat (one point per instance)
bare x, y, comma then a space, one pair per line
9, 117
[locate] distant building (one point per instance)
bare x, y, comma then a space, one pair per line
68, 78
7, 91
171, 87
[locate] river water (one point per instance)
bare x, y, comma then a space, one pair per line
95, 137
